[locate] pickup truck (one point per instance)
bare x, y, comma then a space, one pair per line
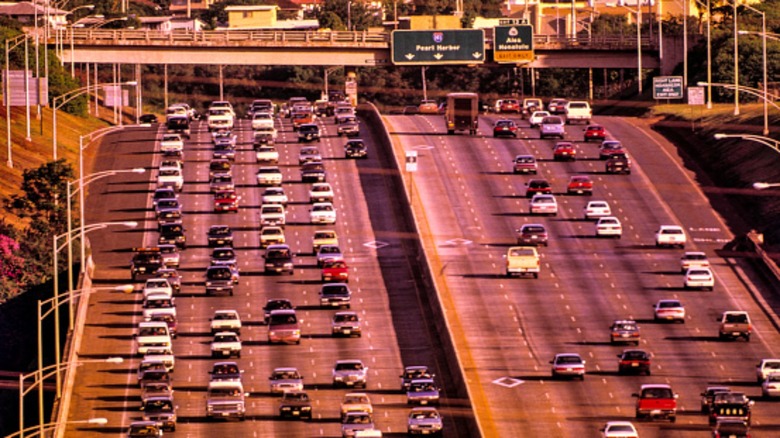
733, 325
522, 260
225, 399
578, 111
656, 401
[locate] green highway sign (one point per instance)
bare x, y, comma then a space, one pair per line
426, 47
513, 44
668, 87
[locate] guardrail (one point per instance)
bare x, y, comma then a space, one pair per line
287, 38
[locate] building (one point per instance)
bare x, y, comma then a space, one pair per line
26, 13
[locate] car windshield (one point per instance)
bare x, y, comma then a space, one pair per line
634, 355
219, 231
524, 160
625, 327
521, 252
283, 319
345, 318
335, 290
621, 428
218, 274
668, 304
286, 375
424, 415
533, 230
569, 359
349, 366
740, 318
153, 331
657, 393
278, 254
300, 396
224, 316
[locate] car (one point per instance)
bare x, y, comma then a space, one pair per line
624, 331
766, 367
669, 310
693, 259
428, 106
308, 132
355, 148
219, 236
564, 151
313, 172
730, 406
307, 154
226, 200
157, 286
223, 256
321, 192
168, 319
161, 193
262, 119
609, 226
334, 271
770, 387
173, 277
543, 204
328, 252
531, 104
220, 278
346, 324
509, 106
273, 215
670, 236
324, 237
226, 344
412, 373
224, 150
422, 392
609, 148
219, 166
354, 422
144, 429
634, 362
594, 132
148, 365
226, 320
350, 129
266, 153
156, 389
532, 234
169, 216
536, 118
285, 379
537, 186
557, 106
551, 126
271, 235
225, 371
335, 295
699, 278
269, 176
596, 209
708, 396
579, 185
147, 119
525, 164
170, 177
222, 181
171, 162
171, 142
356, 402
424, 421
157, 375
619, 429
295, 404
322, 213
568, 365
350, 372
274, 195
158, 303
275, 304
172, 234
731, 429
167, 204
284, 327
618, 163
504, 128
279, 260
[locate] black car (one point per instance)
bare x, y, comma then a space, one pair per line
276, 304
172, 234
308, 132
313, 171
220, 235
148, 118
634, 362
219, 278
224, 151
278, 260
536, 187
355, 149
532, 234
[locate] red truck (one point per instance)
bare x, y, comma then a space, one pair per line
656, 401
335, 271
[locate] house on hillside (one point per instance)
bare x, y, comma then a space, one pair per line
26, 12
251, 17
169, 24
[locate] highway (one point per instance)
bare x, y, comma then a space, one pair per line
468, 204
383, 276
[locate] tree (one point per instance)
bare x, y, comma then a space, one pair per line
43, 198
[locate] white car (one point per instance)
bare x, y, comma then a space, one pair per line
157, 286
609, 226
543, 204
158, 303
597, 209
693, 259
170, 177
536, 118
350, 373
771, 385
274, 195
322, 213
699, 278
309, 154
161, 354
272, 215
262, 120
226, 344
269, 176
619, 429
669, 310
670, 236
767, 367
267, 154
171, 142
321, 192
226, 321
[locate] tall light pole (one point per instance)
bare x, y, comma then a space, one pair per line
67, 97
11, 44
736, 61
763, 41
638, 12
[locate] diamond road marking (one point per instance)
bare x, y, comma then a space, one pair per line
376, 244
459, 241
508, 382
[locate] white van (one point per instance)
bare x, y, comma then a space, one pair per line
152, 334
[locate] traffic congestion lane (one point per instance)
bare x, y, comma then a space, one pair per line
570, 254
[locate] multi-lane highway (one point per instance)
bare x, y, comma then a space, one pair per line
387, 292
468, 204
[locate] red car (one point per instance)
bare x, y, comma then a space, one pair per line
226, 200
335, 271
595, 132
537, 187
580, 185
510, 106
505, 127
564, 151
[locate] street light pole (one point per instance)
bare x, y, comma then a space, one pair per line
764, 80
736, 61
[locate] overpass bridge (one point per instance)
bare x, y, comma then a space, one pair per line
316, 48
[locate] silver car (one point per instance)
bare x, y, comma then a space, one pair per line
551, 126
422, 392
424, 421
285, 379
350, 373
